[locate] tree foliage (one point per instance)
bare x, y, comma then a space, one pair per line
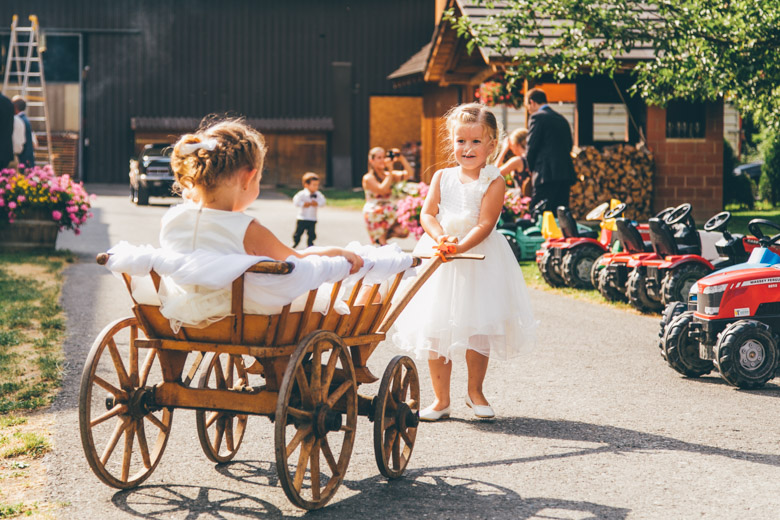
703, 49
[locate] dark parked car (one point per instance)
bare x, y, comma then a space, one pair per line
752, 170
151, 174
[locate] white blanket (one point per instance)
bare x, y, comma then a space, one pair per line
196, 286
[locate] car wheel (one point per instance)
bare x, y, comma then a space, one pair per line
677, 283
671, 311
142, 197
747, 354
682, 353
607, 290
548, 271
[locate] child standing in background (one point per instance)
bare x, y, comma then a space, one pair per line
308, 200
477, 310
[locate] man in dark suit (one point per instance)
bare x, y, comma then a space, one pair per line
6, 131
549, 152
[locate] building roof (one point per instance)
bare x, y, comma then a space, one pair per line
190, 124
437, 61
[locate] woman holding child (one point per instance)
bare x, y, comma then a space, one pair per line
379, 212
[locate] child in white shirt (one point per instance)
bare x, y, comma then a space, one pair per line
308, 200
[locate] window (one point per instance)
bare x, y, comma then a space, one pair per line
610, 122
685, 120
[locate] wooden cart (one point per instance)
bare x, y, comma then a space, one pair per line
306, 368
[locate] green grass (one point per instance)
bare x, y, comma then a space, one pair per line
11, 511
741, 217
346, 199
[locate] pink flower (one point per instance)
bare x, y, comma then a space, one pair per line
56, 215
12, 205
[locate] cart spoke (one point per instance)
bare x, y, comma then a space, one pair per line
124, 380
340, 391
330, 369
405, 435
397, 452
315, 471
407, 380
147, 366
219, 434
117, 393
396, 381
141, 431
229, 372
218, 372
303, 386
390, 422
303, 462
316, 374
389, 442
213, 417
128, 455
112, 442
296, 440
154, 420
334, 468
229, 433
133, 358
300, 414
116, 410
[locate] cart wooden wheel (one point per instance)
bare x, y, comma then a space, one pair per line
316, 416
117, 401
221, 432
396, 416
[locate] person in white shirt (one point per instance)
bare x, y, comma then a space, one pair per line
23, 138
308, 200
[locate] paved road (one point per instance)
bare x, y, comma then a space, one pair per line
592, 425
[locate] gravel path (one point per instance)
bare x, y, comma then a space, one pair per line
592, 425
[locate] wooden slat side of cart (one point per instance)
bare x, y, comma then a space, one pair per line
311, 365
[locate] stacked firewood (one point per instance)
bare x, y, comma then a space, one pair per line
622, 171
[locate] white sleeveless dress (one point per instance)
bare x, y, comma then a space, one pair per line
481, 305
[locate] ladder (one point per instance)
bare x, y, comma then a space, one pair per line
24, 77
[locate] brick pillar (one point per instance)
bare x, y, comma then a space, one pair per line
688, 170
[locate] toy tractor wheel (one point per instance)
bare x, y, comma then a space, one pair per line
636, 289
220, 433
607, 290
747, 354
548, 271
682, 353
595, 270
577, 264
677, 282
514, 246
671, 311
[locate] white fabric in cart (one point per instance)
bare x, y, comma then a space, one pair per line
195, 289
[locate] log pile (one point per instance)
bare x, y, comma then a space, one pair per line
621, 171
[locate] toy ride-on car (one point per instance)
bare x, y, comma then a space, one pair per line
568, 260
733, 320
681, 257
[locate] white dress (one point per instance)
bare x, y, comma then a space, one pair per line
481, 305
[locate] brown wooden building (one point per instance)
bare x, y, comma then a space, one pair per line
686, 138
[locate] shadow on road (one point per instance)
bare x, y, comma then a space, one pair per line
418, 494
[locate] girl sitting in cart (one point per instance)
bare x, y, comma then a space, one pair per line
477, 310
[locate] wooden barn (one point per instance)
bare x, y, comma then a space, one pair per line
310, 74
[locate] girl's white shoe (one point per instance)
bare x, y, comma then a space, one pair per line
481, 411
429, 414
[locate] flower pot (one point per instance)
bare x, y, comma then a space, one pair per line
34, 229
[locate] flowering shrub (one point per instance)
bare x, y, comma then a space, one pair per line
408, 207
515, 205
65, 201
498, 92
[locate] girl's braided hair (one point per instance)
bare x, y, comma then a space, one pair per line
236, 146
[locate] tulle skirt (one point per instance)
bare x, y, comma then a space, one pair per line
479, 305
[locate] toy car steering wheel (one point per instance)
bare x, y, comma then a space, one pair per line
616, 211
679, 214
539, 206
718, 222
755, 228
597, 212
664, 213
